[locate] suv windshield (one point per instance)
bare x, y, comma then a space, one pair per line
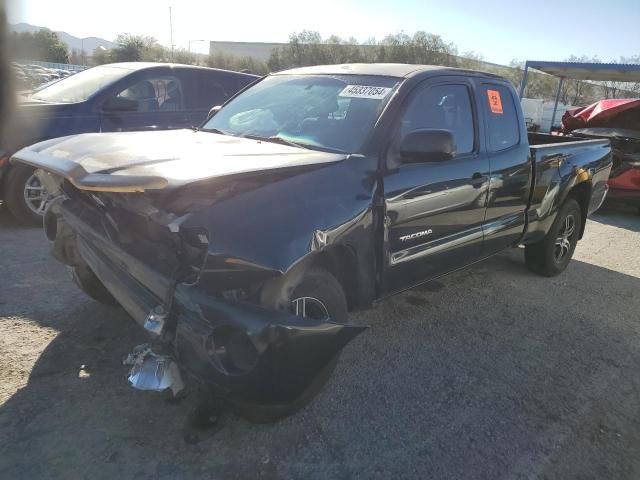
79, 87
327, 112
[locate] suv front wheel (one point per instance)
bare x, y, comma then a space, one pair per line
26, 197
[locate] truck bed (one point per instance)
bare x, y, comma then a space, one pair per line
555, 159
541, 139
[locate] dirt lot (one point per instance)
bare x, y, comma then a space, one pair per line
491, 373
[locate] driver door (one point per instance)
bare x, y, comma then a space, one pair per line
435, 209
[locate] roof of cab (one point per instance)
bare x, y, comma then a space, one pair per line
142, 65
400, 70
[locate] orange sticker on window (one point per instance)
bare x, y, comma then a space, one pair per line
495, 102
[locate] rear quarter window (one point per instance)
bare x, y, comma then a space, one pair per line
503, 129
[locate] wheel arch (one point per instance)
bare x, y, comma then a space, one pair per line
340, 260
581, 193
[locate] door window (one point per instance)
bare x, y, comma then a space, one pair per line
443, 107
155, 94
502, 123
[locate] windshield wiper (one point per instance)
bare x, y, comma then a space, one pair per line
212, 130
276, 139
284, 141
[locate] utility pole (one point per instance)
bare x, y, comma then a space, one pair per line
171, 32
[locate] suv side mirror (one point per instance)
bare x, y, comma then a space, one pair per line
427, 145
213, 111
120, 104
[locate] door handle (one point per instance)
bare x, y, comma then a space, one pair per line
478, 179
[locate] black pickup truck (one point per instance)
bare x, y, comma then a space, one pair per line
242, 245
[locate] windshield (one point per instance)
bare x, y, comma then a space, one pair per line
79, 87
327, 112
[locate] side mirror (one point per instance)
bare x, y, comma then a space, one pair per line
120, 104
427, 146
213, 111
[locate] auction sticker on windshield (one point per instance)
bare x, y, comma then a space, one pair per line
364, 91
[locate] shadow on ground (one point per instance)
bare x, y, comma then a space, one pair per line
490, 373
618, 215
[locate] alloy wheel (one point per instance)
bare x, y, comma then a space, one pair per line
311, 308
565, 238
35, 195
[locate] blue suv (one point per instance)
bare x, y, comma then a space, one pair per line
109, 98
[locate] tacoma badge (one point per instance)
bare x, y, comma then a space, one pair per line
423, 233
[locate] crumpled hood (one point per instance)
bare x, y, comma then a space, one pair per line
139, 161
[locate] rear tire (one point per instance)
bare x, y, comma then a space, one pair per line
317, 284
16, 183
87, 281
550, 256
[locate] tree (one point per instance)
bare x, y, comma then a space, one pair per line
472, 61
575, 92
185, 57
309, 48
615, 89
100, 56
43, 45
137, 48
236, 63
77, 57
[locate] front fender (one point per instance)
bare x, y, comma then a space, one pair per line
269, 229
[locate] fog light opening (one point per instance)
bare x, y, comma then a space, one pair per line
234, 349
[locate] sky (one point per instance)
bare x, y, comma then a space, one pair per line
498, 30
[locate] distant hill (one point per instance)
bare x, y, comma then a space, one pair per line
74, 43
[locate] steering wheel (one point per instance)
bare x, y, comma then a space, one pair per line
288, 115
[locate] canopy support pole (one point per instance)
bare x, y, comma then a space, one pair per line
524, 79
555, 105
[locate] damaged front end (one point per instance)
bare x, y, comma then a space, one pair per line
617, 120
624, 180
151, 262
252, 355
151, 371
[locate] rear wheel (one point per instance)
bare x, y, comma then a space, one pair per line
27, 198
551, 255
318, 297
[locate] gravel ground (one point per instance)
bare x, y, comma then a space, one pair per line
492, 373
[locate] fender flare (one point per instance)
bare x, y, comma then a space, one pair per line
579, 187
341, 260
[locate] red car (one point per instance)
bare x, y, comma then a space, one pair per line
619, 121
